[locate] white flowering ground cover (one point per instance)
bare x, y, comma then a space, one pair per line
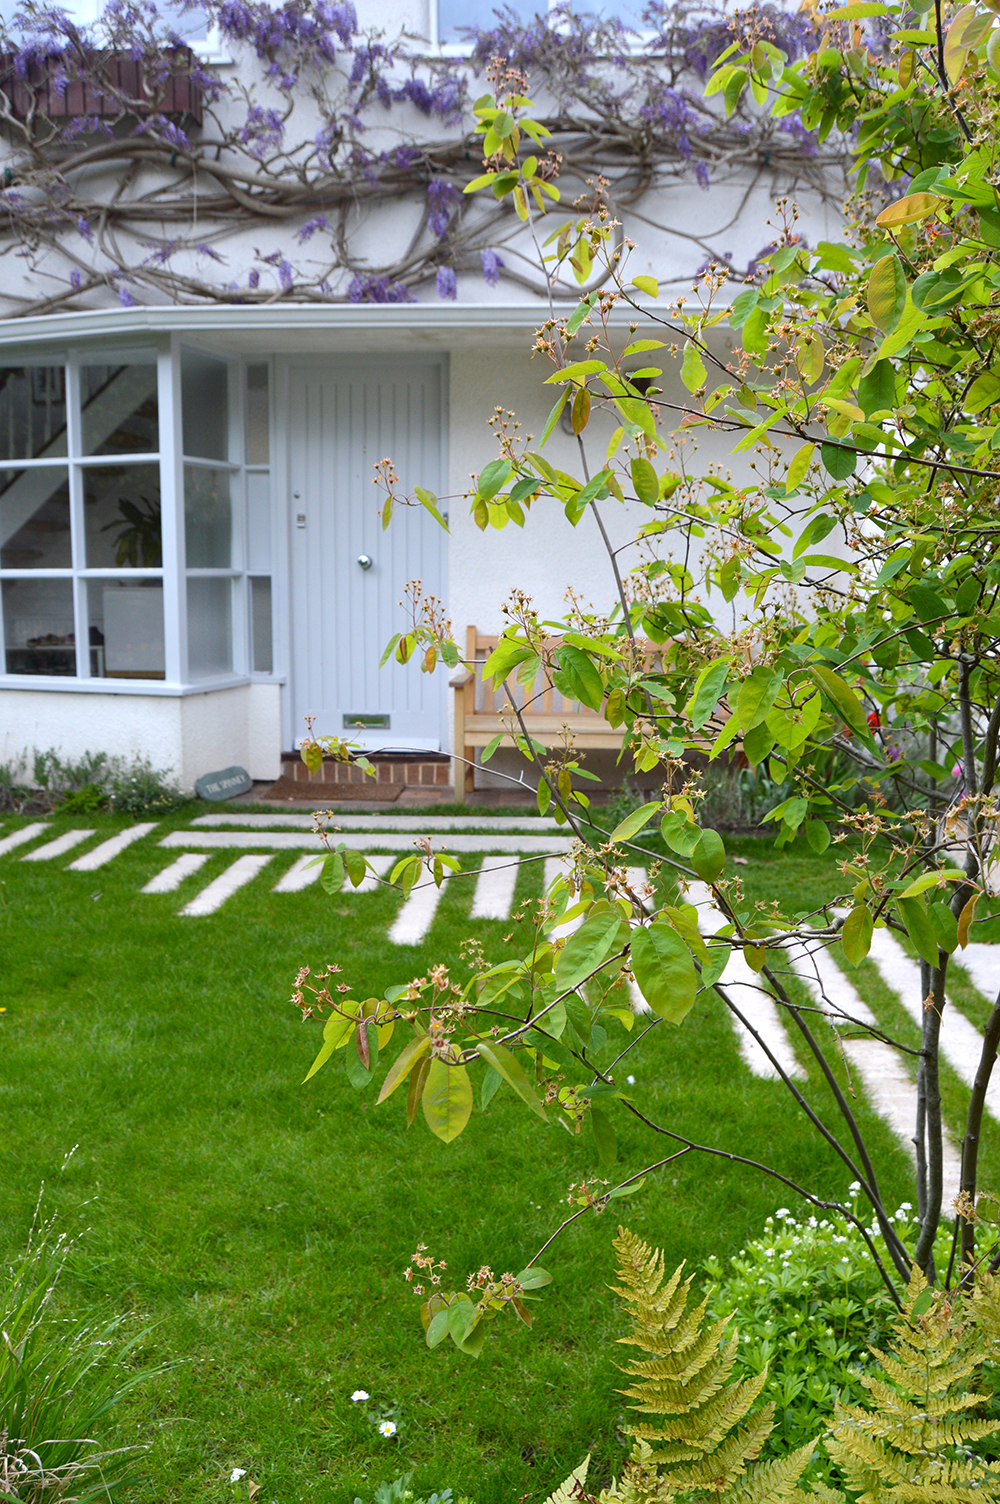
263, 1226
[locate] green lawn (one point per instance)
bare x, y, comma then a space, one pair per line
261, 1227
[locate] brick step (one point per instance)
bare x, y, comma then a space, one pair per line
420, 769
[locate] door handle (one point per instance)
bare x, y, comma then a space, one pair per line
365, 560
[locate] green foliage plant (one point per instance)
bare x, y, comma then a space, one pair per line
59, 1380
911, 1442
810, 1304
400, 1491
136, 788
833, 612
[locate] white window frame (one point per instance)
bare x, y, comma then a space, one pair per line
173, 574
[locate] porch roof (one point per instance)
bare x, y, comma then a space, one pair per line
293, 327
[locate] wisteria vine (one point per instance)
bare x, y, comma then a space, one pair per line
321, 163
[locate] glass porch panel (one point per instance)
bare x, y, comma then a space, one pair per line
258, 445
205, 406
35, 519
119, 409
125, 627
32, 412
262, 655
210, 628
38, 627
208, 518
121, 509
258, 521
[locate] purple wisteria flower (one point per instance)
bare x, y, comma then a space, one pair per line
378, 290
442, 199
447, 283
491, 267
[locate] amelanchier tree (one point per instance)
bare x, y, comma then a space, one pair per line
863, 565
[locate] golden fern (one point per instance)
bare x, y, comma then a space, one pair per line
911, 1446
708, 1431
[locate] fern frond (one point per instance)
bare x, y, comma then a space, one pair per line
776, 1481
570, 1492
701, 1432
908, 1447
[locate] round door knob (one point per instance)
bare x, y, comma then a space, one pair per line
365, 560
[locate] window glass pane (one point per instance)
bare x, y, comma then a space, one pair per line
119, 409
205, 406
455, 13
208, 518
258, 427
260, 626
38, 627
258, 521
32, 412
121, 509
34, 519
210, 628
125, 619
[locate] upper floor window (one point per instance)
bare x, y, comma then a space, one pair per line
190, 23
454, 15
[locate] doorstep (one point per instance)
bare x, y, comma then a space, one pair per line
423, 770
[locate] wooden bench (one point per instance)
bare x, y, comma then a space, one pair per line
546, 713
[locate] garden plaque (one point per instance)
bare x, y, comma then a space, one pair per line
224, 785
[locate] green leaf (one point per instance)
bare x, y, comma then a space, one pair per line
945, 926
814, 532
447, 1099
403, 1064
817, 833
648, 285
856, 936
509, 1067
428, 501
605, 1136
554, 417
758, 693
491, 747
908, 210
586, 949
707, 690
332, 875
645, 481
743, 306
887, 293
693, 372
490, 1085
494, 477
932, 880
366, 1038
983, 393
533, 1278
843, 699
633, 823
709, 856
838, 462
581, 677
664, 971
437, 1331
913, 912
877, 390
799, 468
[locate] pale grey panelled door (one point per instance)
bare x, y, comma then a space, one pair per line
347, 574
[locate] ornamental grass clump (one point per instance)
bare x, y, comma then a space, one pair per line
59, 1379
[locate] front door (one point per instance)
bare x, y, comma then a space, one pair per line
348, 576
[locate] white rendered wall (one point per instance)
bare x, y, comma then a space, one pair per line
182, 735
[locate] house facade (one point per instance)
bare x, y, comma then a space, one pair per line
192, 562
